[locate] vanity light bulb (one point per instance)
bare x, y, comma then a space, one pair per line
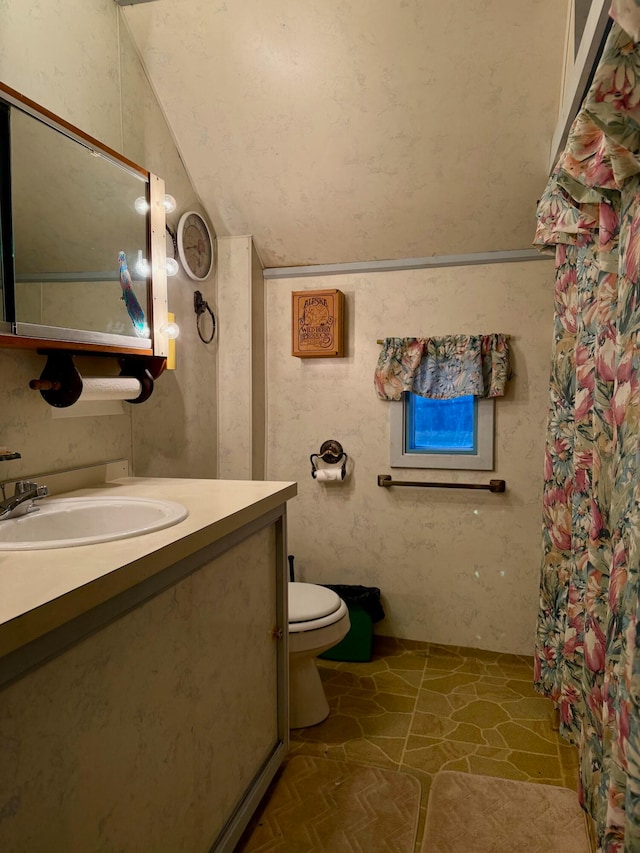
169, 203
172, 266
141, 205
171, 330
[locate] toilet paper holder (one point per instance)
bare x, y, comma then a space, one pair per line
331, 452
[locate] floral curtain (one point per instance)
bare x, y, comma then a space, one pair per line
443, 368
588, 639
627, 14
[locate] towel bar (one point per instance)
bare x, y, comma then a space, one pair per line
491, 486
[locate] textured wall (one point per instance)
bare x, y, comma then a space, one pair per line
241, 361
343, 131
234, 364
454, 567
77, 59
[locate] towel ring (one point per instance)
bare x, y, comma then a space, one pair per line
331, 452
201, 306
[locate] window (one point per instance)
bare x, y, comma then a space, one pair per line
442, 433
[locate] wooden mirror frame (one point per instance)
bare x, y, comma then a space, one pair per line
157, 298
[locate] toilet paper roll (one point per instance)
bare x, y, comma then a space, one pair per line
325, 475
110, 388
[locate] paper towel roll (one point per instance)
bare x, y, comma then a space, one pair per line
110, 388
325, 475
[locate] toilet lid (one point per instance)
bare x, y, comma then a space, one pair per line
309, 601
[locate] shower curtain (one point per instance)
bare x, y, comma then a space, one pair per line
588, 635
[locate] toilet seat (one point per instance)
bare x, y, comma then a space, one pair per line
312, 606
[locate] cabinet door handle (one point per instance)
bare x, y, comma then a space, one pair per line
277, 633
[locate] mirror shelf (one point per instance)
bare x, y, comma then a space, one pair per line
11, 340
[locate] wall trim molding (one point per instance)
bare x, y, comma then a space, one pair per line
507, 257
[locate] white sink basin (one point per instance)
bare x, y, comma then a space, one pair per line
67, 522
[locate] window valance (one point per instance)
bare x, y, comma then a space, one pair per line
443, 368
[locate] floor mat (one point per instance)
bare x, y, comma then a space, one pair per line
484, 814
319, 805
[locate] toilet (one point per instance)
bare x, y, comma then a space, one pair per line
318, 620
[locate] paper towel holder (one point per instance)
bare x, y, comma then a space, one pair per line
331, 452
60, 383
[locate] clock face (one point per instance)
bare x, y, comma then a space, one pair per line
195, 246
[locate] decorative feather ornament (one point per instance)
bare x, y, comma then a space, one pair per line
134, 308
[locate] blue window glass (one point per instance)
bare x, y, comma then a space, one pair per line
441, 426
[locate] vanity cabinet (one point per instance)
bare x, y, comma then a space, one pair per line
160, 724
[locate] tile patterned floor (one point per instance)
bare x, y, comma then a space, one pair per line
421, 708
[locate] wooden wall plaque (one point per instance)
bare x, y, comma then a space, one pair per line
317, 326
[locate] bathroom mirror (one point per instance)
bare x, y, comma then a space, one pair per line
87, 229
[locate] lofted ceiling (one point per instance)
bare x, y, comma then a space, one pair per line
357, 130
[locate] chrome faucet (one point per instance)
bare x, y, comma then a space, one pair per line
26, 492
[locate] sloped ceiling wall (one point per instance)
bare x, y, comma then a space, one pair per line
354, 130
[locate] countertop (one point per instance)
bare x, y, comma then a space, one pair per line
42, 590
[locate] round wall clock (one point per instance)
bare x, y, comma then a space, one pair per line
195, 246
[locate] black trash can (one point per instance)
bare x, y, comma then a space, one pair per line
365, 608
